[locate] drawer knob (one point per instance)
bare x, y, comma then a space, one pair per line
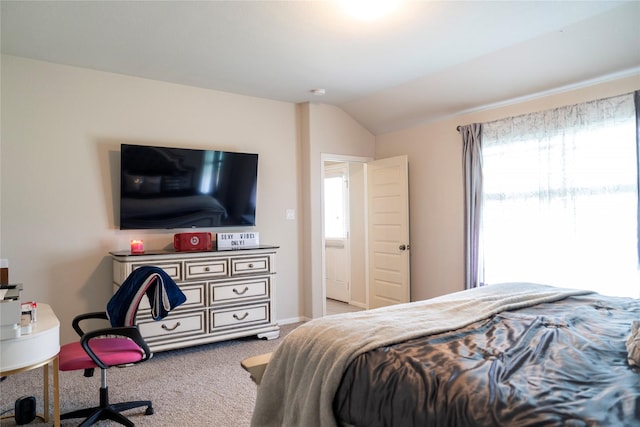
237, 292
206, 269
250, 265
235, 316
166, 328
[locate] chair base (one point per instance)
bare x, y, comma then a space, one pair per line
107, 411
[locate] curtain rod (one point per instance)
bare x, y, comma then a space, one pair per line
458, 128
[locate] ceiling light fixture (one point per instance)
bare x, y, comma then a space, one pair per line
369, 10
318, 92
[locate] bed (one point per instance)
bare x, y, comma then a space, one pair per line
515, 354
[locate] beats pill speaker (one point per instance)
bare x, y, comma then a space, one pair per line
192, 242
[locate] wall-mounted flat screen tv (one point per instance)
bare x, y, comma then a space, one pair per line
163, 188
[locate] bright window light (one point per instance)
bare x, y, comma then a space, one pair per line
335, 226
560, 198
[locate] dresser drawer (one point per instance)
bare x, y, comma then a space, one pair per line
173, 269
250, 265
240, 316
173, 326
195, 294
206, 268
232, 291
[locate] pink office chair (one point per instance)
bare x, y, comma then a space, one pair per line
118, 345
104, 348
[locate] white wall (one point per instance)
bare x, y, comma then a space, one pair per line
61, 133
436, 184
325, 129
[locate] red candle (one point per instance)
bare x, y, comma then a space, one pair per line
137, 247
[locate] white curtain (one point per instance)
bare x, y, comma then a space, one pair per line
560, 198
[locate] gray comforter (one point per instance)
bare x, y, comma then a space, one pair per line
300, 382
552, 364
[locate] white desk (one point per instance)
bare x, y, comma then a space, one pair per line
31, 351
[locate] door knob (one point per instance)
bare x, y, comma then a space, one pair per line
402, 247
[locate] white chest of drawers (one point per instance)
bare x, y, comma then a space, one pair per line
230, 294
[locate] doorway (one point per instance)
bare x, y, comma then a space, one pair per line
365, 232
343, 234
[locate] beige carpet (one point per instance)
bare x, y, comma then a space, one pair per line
198, 386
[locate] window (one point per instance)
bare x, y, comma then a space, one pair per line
560, 199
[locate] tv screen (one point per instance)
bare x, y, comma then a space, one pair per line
163, 187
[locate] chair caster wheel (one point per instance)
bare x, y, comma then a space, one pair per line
149, 411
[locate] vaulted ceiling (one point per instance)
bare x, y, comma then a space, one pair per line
425, 61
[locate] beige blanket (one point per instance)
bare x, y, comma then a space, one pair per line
304, 373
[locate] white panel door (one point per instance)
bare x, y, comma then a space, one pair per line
388, 231
337, 270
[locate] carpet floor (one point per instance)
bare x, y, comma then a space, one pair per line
197, 386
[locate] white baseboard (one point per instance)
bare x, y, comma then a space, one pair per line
358, 304
292, 320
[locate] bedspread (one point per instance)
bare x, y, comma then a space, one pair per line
299, 383
555, 364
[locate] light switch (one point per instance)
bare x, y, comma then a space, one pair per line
291, 214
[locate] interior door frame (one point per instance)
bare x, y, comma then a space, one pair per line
324, 157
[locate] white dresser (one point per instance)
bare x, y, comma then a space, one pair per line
230, 294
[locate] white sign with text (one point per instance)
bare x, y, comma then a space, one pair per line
238, 240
